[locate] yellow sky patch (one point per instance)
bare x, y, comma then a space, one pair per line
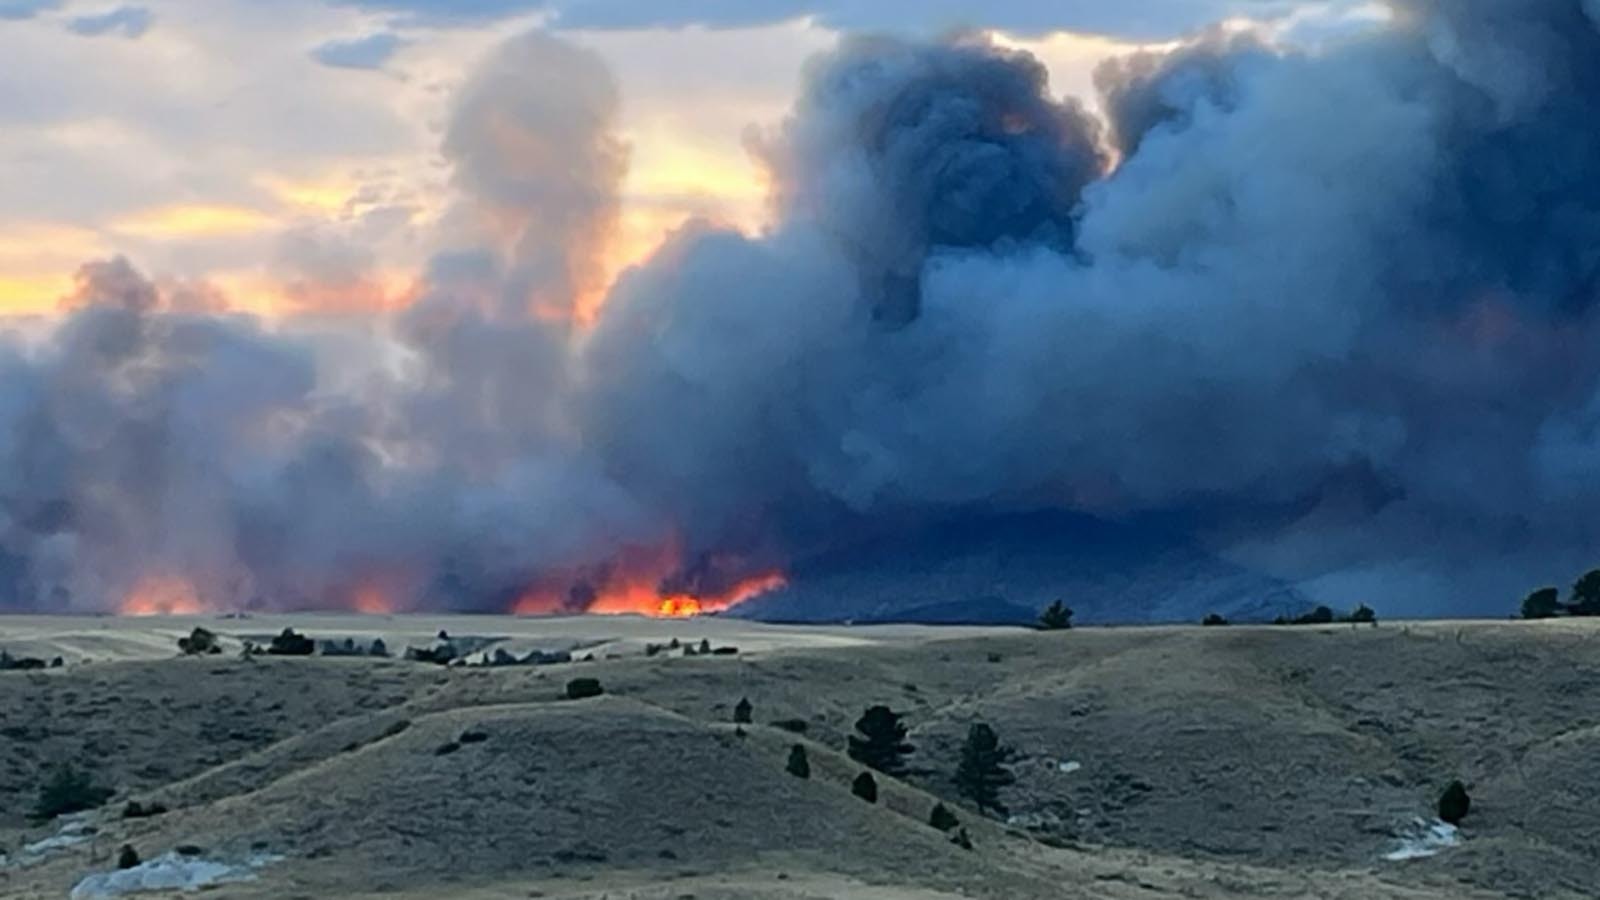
31, 295
194, 220
327, 196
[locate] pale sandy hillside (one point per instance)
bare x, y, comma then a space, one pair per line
1151, 762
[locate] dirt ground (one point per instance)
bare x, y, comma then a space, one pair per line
1150, 762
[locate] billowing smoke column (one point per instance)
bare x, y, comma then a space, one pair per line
1330, 313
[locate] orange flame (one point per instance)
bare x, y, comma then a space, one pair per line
641, 595
162, 595
372, 600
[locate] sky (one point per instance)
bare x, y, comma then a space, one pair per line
257, 147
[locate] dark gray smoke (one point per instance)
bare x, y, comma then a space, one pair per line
1330, 314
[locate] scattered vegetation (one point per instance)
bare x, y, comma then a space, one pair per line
798, 765
865, 787
441, 655
742, 711
136, 810
10, 663
69, 790
1324, 615
1583, 600
982, 772
584, 688
1056, 617
289, 643
1454, 803
200, 642
942, 818
1213, 620
882, 742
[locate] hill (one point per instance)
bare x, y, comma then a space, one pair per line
1151, 762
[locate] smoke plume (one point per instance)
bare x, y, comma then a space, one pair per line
1331, 313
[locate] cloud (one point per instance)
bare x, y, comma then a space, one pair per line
127, 21
17, 10
1134, 19
449, 12
371, 52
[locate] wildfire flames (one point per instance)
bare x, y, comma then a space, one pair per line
635, 594
642, 595
163, 595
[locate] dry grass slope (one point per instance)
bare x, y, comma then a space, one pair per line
1228, 762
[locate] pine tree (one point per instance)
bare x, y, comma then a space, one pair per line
942, 818
1058, 617
981, 774
741, 712
882, 744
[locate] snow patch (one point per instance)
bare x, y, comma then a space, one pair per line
73, 831
1067, 767
1424, 838
170, 872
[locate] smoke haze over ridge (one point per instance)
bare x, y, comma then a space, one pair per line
1328, 312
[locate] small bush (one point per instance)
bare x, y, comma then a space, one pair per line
68, 791
473, 737
200, 641
1454, 803
127, 857
584, 688
865, 787
447, 748
799, 765
1056, 617
1213, 620
962, 840
378, 648
742, 711
288, 643
1364, 615
705, 646
942, 818
793, 726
